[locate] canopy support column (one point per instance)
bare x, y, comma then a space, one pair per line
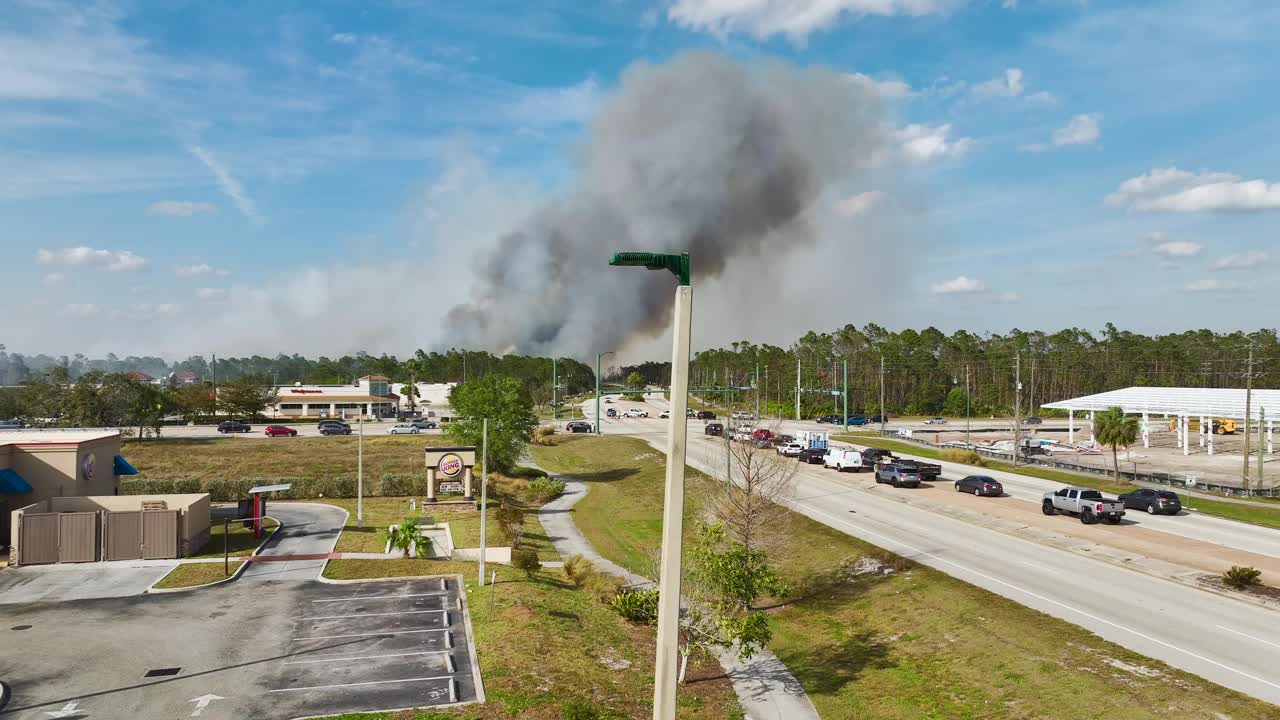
1201, 431
1186, 434
1071, 427
1146, 430
1210, 437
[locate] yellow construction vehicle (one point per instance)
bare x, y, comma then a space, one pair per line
1221, 426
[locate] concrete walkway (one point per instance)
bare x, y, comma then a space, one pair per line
766, 689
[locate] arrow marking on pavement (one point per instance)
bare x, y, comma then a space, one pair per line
202, 702
67, 710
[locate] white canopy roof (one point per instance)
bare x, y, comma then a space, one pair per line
1215, 402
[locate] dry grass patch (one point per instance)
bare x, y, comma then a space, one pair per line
237, 457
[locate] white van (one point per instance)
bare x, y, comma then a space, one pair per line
843, 459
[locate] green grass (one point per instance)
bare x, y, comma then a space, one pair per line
1264, 513
239, 540
540, 653
237, 457
916, 644
192, 574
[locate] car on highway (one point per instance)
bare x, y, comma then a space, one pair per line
334, 427
608, 401
1033, 420
688, 412
833, 419
843, 459
577, 426
12, 424
424, 424
762, 434
664, 415
403, 429
876, 419
980, 485
857, 420
791, 449
713, 429
898, 475
279, 431
812, 456
879, 457
1087, 503
783, 439
936, 421
1155, 502
230, 426
706, 415
612, 412
635, 413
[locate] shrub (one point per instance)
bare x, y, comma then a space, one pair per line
602, 588
511, 520
402, 484
526, 472
141, 486
230, 490
968, 457
545, 488
187, 485
404, 535
578, 570
1242, 578
637, 606
525, 559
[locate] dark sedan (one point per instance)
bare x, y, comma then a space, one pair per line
980, 485
813, 456
713, 429
1033, 420
1155, 502
578, 426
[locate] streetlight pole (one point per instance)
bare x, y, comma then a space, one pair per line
666, 662
598, 356
360, 476
845, 392
967, 441
554, 397
484, 490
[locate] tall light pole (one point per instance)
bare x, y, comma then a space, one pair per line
554, 389
598, 356
667, 660
845, 392
360, 476
484, 490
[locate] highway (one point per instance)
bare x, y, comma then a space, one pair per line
1233, 643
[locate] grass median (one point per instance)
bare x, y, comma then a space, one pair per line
1257, 512
913, 644
548, 651
192, 574
234, 457
239, 539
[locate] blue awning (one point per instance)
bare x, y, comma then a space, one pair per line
11, 483
122, 467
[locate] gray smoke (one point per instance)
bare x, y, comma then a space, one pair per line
720, 158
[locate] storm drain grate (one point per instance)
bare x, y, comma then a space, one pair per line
163, 672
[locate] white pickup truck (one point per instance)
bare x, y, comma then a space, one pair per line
1088, 503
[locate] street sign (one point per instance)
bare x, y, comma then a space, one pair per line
1191, 479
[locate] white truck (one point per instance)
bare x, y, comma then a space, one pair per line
1088, 503
816, 439
843, 459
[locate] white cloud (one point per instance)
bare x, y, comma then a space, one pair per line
1177, 248
343, 38
556, 106
200, 269
923, 143
82, 309
82, 256
1010, 85
54, 278
1210, 285
960, 284
1173, 190
793, 18
1246, 261
1008, 297
860, 203
142, 310
1084, 129
206, 293
884, 88
179, 208
227, 183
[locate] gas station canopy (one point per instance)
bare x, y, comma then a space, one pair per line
1214, 402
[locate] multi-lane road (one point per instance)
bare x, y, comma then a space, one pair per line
1229, 641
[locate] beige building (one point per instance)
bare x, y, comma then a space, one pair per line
368, 397
109, 527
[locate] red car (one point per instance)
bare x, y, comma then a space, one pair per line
279, 431
762, 434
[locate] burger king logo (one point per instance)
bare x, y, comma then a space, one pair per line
450, 465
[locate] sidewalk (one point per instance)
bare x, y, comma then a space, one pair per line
766, 689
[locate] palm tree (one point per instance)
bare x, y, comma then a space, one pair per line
1112, 427
405, 536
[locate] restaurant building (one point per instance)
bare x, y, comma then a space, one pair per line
369, 397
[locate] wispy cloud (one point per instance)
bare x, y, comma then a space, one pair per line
922, 143
860, 203
1173, 190
87, 257
227, 183
888, 88
179, 208
796, 19
206, 293
1177, 249
959, 285
82, 309
1084, 129
1211, 285
1244, 261
54, 278
200, 269
343, 38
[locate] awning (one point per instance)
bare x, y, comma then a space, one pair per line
122, 466
11, 483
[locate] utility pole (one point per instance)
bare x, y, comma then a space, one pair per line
845, 392
554, 389
484, 490
1262, 420
1017, 405
766, 384
597, 393
756, 386
1248, 396
967, 441
797, 386
360, 476
882, 415
213, 370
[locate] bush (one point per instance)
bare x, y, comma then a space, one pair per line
526, 472
402, 484
1242, 578
229, 490
141, 486
602, 588
578, 570
545, 488
637, 606
525, 559
511, 520
968, 457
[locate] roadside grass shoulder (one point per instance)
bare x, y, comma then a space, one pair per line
193, 574
235, 457
913, 644
548, 651
1263, 513
240, 539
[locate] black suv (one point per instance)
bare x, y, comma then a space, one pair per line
230, 426
833, 419
706, 415
578, 426
713, 429
334, 427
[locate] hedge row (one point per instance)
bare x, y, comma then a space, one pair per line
230, 490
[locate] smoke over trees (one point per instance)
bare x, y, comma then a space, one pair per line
722, 159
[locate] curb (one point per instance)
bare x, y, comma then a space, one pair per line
245, 562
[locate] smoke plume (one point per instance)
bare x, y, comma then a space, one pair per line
723, 159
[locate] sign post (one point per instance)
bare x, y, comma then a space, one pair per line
1191, 483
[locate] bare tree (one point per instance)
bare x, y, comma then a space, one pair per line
751, 505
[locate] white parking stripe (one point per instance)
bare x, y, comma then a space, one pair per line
374, 657
381, 614
359, 684
1237, 632
356, 598
374, 634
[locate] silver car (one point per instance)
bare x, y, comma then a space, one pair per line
403, 429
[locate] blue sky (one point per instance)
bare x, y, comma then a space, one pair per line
307, 176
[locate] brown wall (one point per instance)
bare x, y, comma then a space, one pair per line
193, 525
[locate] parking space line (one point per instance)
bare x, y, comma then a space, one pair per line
359, 684
378, 614
448, 642
374, 657
380, 597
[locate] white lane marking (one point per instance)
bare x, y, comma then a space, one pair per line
367, 657
67, 710
370, 634
381, 597
1039, 567
1267, 642
382, 614
359, 684
1051, 601
202, 702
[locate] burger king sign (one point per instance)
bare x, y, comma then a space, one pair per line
450, 465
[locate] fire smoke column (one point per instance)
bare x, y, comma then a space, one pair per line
721, 159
